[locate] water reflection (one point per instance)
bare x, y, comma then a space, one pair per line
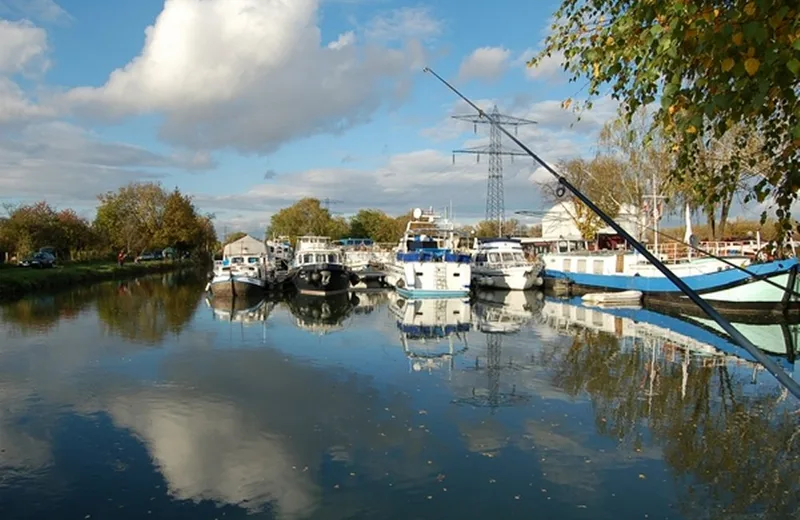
322, 314
516, 406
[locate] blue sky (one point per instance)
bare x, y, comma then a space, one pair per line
251, 104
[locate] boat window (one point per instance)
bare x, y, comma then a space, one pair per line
332, 259
308, 258
481, 258
252, 260
237, 260
416, 245
519, 257
508, 257
321, 258
494, 257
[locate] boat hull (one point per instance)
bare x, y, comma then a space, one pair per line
322, 279
429, 279
236, 286
730, 289
508, 278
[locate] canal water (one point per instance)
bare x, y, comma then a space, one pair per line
144, 400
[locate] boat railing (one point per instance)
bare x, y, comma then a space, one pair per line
679, 251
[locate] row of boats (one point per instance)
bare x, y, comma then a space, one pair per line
432, 260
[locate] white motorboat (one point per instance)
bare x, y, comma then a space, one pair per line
426, 263
500, 263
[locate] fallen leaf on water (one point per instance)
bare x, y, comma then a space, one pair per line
641, 476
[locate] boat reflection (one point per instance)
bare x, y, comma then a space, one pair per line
369, 301
322, 314
506, 311
695, 336
432, 331
242, 310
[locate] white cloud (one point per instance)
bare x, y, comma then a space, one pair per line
44, 10
253, 74
15, 106
550, 68
22, 47
486, 63
61, 162
404, 23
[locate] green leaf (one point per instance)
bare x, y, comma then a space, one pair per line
796, 44
794, 66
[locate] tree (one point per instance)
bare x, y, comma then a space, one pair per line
180, 226
715, 64
375, 224
132, 217
489, 228
76, 233
30, 227
599, 179
306, 217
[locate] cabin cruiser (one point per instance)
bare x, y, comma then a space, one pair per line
318, 267
426, 262
281, 252
243, 271
500, 263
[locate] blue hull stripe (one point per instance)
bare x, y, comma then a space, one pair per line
660, 284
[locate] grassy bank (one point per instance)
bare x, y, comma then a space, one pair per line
20, 281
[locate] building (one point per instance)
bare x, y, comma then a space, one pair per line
559, 222
246, 245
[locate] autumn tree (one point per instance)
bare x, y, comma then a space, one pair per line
30, 227
490, 228
375, 224
132, 217
306, 217
708, 66
598, 179
180, 226
76, 233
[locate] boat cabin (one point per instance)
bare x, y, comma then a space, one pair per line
316, 250
499, 252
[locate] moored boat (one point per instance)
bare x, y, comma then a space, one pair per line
767, 286
318, 268
500, 263
243, 271
426, 263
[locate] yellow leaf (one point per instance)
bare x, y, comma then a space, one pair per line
727, 64
751, 65
691, 130
738, 38
750, 9
596, 70
751, 51
566, 103
716, 13
672, 109
610, 40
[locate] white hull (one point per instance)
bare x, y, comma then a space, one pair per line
519, 278
431, 279
756, 292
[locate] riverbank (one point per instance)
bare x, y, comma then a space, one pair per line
18, 282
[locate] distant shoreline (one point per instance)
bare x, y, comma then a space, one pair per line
18, 282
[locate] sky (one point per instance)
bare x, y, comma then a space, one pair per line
250, 105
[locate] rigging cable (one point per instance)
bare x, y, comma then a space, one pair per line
712, 313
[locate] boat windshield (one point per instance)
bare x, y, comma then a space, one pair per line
416, 245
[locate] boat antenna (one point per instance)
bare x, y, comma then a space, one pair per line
739, 338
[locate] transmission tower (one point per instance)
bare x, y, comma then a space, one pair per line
495, 193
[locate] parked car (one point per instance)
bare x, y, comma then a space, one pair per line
39, 261
149, 256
